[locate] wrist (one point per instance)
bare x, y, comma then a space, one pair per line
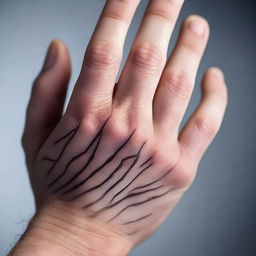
58, 230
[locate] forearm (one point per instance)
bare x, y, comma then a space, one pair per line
55, 231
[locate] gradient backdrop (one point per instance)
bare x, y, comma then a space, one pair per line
218, 215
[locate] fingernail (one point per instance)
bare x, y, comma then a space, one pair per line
51, 57
197, 26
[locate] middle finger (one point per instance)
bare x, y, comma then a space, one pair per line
147, 58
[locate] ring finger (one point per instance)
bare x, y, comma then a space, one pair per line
176, 84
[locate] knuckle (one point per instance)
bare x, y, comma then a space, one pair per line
102, 55
168, 12
184, 175
95, 113
112, 10
161, 13
177, 84
206, 127
88, 128
116, 131
162, 157
116, 16
146, 57
75, 111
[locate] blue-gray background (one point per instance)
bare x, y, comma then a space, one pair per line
217, 215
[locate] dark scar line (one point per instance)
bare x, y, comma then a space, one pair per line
153, 182
134, 232
111, 175
100, 167
108, 178
123, 199
63, 149
129, 196
71, 161
141, 172
120, 180
48, 159
135, 194
64, 137
146, 161
105, 193
76, 157
140, 203
137, 220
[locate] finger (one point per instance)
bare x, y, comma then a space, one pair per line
178, 78
48, 96
96, 82
206, 120
147, 58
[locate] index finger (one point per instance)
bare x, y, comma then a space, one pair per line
103, 56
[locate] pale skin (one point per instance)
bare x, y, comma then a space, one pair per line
108, 172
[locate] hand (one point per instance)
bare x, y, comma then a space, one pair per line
115, 162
